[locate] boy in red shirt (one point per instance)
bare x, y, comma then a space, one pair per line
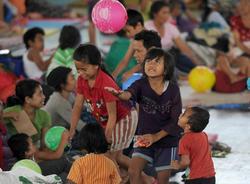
194, 148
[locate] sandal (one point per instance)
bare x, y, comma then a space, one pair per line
221, 147
219, 154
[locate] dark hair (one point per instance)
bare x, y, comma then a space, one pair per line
19, 145
134, 17
156, 7
30, 35
92, 139
157, 53
24, 88
88, 53
70, 37
58, 77
149, 38
198, 119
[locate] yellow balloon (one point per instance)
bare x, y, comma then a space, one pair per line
201, 79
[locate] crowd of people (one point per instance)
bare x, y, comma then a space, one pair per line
118, 134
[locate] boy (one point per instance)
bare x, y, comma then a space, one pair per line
34, 65
51, 162
134, 25
143, 41
194, 148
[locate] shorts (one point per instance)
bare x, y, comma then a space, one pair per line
160, 158
124, 131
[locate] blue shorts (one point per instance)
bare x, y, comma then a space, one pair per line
160, 158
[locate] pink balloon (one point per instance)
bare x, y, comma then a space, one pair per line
109, 16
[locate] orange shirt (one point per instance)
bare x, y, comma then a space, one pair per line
92, 169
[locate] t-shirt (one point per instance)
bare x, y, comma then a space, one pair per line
171, 32
63, 57
31, 68
158, 112
197, 147
93, 169
237, 24
60, 110
116, 53
97, 97
42, 120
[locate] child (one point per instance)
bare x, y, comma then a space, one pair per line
117, 51
194, 147
94, 167
51, 162
110, 112
69, 39
29, 97
34, 65
60, 103
134, 25
159, 108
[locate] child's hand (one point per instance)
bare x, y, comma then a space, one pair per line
139, 142
148, 139
113, 91
175, 164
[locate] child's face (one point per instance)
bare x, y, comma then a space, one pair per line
183, 118
37, 100
139, 51
154, 68
38, 42
131, 31
32, 149
70, 83
86, 71
163, 15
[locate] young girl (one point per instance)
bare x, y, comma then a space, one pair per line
29, 97
94, 167
159, 108
118, 119
69, 39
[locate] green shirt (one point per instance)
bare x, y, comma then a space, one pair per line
42, 120
63, 58
116, 53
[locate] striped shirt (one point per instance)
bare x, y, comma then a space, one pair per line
94, 169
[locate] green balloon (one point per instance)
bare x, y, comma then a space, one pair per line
30, 164
53, 137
